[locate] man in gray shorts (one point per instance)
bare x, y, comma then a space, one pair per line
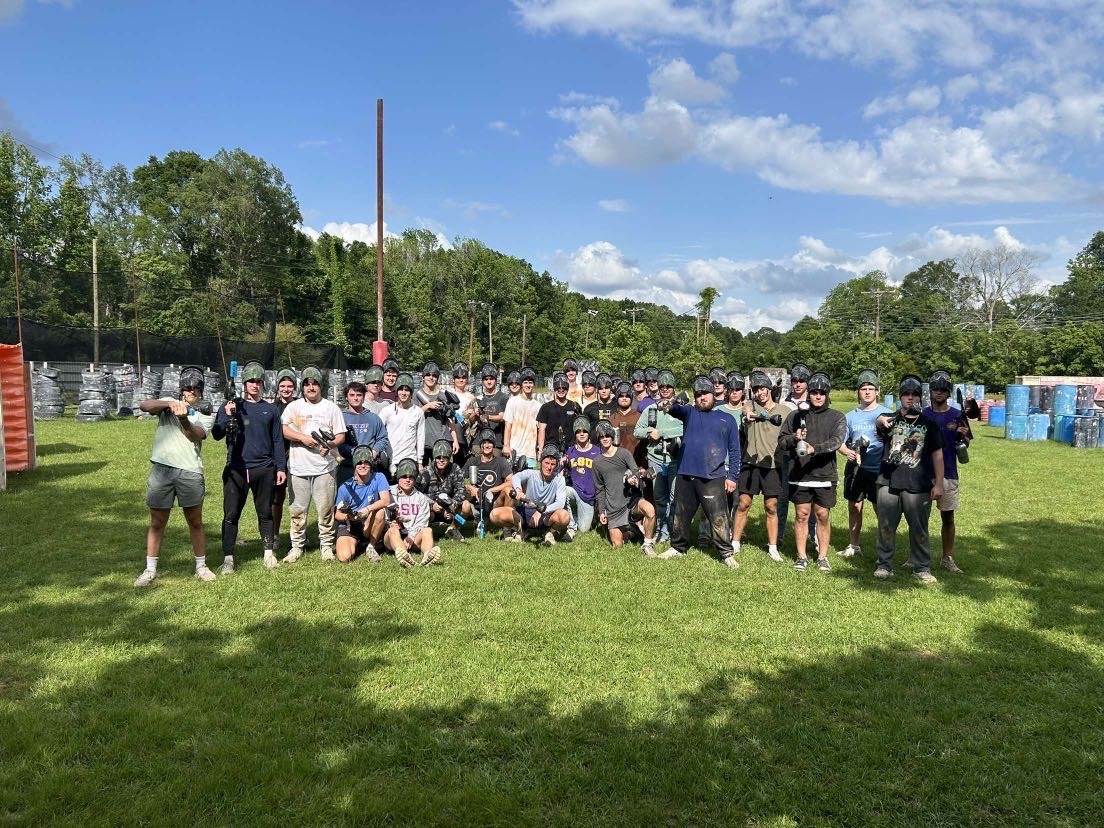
176, 472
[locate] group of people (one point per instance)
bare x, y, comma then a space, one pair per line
405, 464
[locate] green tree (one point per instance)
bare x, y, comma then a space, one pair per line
1082, 294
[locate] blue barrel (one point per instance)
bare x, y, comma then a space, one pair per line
1063, 428
888, 402
1018, 397
996, 415
979, 392
1065, 400
1038, 427
1015, 427
1099, 431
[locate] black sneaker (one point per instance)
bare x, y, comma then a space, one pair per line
801, 564
823, 565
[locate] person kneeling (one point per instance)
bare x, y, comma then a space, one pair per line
618, 487
361, 509
540, 496
408, 526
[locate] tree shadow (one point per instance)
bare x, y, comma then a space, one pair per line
51, 449
294, 722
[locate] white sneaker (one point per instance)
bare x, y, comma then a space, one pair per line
227, 567
270, 561
731, 562
570, 534
405, 559
292, 556
371, 554
432, 556
669, 554
549, 539
775, 555
205, 574
328, 555
145, 578
648, 549
948, 563
925, 577
850, 551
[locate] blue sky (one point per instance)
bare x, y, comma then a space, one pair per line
640, 148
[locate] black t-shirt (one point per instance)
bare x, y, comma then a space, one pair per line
907, 460
498, 465
559, 422
495, 404
598, 411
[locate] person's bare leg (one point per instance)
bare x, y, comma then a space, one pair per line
159, 519
823, 529
855, 520
194, 516
742, 509
801, 528
770, 510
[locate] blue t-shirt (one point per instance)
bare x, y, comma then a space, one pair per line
948, 426
357, 496
862, 422
581, 465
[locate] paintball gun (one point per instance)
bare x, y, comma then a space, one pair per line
443, 500
637, 479
802, 448
858, 444
961, 449
202, 407
448, 400
518, 462
753, 416
324, 437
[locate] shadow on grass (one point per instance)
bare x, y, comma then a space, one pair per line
51, 449
303, 723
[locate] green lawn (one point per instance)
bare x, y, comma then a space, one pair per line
575, 686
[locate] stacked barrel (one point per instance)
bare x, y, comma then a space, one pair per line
1064, 413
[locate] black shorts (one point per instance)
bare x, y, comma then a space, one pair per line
757, 480
357, 534
824, 496
526, 514
859, 484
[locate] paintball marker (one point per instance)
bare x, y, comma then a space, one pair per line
858, 444
637, 479
202, 407
753, 416
443, 500
324, 437
448, 401
518, 462
802, 448
961, 449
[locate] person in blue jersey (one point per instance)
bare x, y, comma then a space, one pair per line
256, 462
863, 451
361, 509
709, 439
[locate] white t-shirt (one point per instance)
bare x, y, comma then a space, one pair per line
306, 417
521, 414
405, 432
171, 447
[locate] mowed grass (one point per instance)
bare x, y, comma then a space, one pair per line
573, 686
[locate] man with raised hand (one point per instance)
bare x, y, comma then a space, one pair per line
956, 433
256, 462
618, 492
176, 472
709, 439
360, 510
556, 417
812, 438
405, 424
863, 452
663, 435
312, 464
521, 418
910, 479
539, 497
761, 419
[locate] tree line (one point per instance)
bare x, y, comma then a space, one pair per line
188, 246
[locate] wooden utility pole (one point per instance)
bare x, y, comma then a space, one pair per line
490, 338
471, 339
18, 301
877, 312
379, 220
95, 301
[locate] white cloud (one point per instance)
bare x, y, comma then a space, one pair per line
11, 9
923, 98
614, 205
350, 231
598, 268
503, 127
960, 88
663, 132
676, 81
723, 68
314, 143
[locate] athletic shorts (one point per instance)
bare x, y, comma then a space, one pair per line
167, 482
859, 484
526, 513
757, 480
949, 501
824, 496
357, 533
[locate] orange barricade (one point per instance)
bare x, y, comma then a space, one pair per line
18, 416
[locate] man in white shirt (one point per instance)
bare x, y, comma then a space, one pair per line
405, 424
521, 419
311, 463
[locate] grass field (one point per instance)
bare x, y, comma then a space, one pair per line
577, 686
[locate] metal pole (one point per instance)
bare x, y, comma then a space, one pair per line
524, 318
95, 302
379, 219
490, 339
137, 335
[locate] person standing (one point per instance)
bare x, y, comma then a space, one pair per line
491, 405
574, 389
604, 404
256, 462
762, 419
863, 452
796, 400
521, 418
405, 424
664, 445
312, 464
439, 424
287, 387
709, 439
176, 472
812, 438
911, 478
556, 417
956, 434
388, 391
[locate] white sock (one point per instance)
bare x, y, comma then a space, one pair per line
151, 563
201, 561
772, 547
228, 559
736, 546
650, 540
